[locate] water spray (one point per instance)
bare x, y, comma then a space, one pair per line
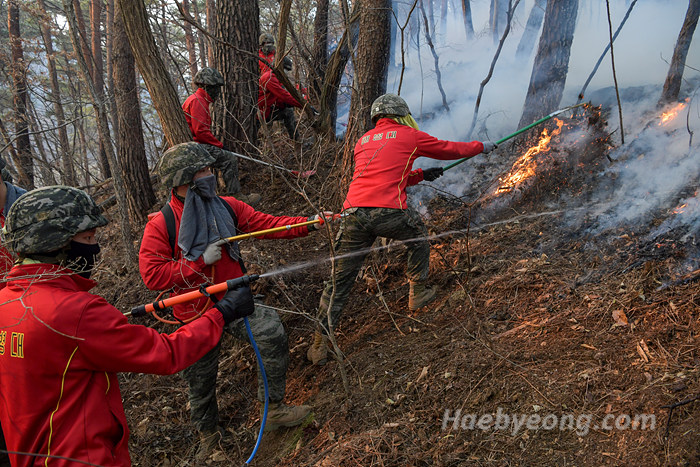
522, 130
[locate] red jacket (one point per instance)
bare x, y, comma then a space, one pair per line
198, 118
384, 160
271, 92
160, 271
270, 58
60, 350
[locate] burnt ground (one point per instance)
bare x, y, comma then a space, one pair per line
532, 320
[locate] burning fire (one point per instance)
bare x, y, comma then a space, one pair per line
671, 114
680, 208
525, 167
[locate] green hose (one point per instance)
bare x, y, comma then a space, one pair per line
512, 135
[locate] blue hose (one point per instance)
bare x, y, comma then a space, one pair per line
267, 391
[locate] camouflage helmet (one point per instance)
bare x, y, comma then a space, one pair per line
389, 104
287, 63
209, 77
178, 164
45, 219
266, 37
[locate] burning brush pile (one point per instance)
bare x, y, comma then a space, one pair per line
644, 191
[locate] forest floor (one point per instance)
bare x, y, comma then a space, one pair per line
544, 347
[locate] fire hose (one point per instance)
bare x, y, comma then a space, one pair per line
522, 130
231, 284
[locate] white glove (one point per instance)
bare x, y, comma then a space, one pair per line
327, 216
212, 253
488, 147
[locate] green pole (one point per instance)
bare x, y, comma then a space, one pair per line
512, 135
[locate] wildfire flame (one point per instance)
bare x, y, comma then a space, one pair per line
671, 114
525, 166
680, 208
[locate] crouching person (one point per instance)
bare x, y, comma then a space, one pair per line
61, 346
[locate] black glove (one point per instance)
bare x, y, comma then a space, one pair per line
237, 303
431, 174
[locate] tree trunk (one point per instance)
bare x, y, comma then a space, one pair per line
467, 14
336, 64
497, 18
132, 153
534, 22
80, 18
189, 41
282, 31
552, 61
109, 53
200, 37
68, 175
320, 50
371, 69
45, 167
19, 85
672, 85
237, 24
98, 78
155, 75
103, 130
211, 24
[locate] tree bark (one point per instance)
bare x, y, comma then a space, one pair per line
68, 175
155, 75
467, 15
672, 85
237, 24
371, 69
109, 55
98, 78
320, 50
534, 22
103, 130
211, 24
552, 61
200, 37
189, 41
497, 18
285, 8
18, 69
132, 153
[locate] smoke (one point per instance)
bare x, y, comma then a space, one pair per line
654, 165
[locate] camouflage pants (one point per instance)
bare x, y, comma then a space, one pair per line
286, 116
271, 339
357, 233
227, 164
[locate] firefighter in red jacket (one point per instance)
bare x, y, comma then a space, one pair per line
375, 206
196, 255
275, 102
209, 82
267, 50
61, 346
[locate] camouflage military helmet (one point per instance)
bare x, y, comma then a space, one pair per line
287, 63
209, 77
179, 163
389, 104
266, 38
45, 219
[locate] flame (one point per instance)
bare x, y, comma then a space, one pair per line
680, 208
525, 166
671, 114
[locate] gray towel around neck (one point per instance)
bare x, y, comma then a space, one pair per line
204, 221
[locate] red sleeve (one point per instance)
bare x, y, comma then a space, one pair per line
430, 146
414, 177
274, 86
250, 220
200, 122
111, 344
158, 268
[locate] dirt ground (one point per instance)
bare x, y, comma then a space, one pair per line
543, 347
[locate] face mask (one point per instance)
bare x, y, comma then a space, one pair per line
268, 48
213, 91
82, 257
205, 186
